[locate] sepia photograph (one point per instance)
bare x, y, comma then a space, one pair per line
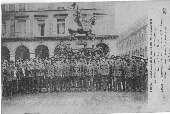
99, 57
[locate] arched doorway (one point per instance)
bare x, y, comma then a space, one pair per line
42, 52
22, 52
58, 51
5, 53
104, 48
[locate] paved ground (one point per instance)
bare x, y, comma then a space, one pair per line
75, 103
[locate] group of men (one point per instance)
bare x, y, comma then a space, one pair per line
82, 74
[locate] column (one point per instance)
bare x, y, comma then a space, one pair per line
32, 53
12, 54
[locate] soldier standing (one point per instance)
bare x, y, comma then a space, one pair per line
20, 76
83, 76
123, 77
67, 79
104, 73
96, 75
118, 74
58, 74
133, 72
88, 74
79, 75
49, 76
4, 80
28, 83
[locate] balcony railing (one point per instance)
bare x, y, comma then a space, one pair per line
54, 38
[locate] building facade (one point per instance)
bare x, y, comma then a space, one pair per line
150, 40
30, 30
134, 41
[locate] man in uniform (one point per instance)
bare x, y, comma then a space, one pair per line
78, 73
114, 73
89, 77
9, 80
118, 75
4, 80
72, 74
127, 73
28, 80
111, 74
65, 74
58, 74
104, 73
40, 74
133, 72
55, 77
83, 76
138, 75
96, 75
20, 76
123, 70
143, 79
67, 78
32, 75
49, 76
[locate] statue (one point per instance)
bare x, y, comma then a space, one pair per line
78, 20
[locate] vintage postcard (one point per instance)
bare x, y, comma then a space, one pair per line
85, 57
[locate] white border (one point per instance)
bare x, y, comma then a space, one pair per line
47, 1
40, 1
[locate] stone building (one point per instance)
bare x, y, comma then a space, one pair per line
30, 30
134, 41
149, 38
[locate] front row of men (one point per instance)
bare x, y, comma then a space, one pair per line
114, 74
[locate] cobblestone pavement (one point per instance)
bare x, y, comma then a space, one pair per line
75, 103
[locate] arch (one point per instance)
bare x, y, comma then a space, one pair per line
5, 53
42, 52
22, 52
104, 48
58, 51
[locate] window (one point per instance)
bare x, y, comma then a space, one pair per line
20, 27
12, 29
6, 7
3, 7
21, 7
42, 29
3, 29
60, 26
11, 7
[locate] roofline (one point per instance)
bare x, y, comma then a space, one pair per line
60, 38
46, 10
